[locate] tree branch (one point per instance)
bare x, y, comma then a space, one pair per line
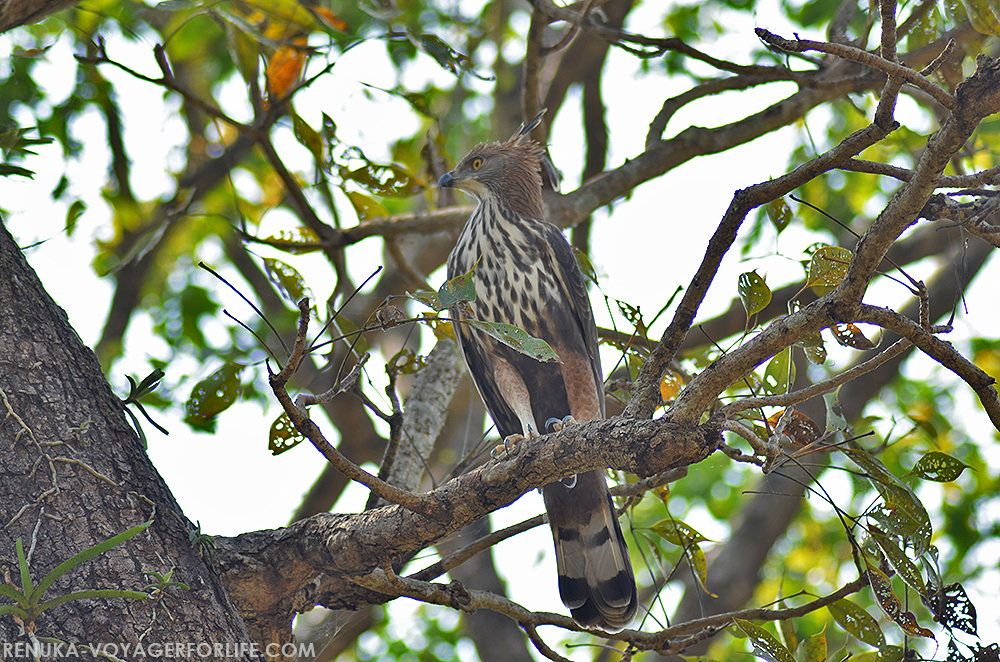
864, 58
942, 352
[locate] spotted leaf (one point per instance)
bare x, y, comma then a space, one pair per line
516, 338
849, 335
459, 288
283, 435
764, 643
670, 385
754, 292
857, 622
289, 281
780, 213
779, 373
890, 604
213, 395
938, 467
827, 267
900, 562
366, 207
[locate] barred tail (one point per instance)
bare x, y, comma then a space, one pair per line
596, 581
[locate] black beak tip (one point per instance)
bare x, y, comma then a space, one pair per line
446, 181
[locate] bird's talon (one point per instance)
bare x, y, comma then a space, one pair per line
553, 424
509, 443
568, 420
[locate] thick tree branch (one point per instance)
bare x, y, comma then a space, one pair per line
273, 574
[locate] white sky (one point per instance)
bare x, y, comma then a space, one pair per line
229, 481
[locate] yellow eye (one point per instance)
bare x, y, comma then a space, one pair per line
476, 162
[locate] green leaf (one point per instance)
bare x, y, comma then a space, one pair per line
73, 214
687, 538
243, 47
213, 395
586, 266
308, 137
366, 208
835, 421
351, 334
406, 362
812, 649
891, 654
10, 170
780, 214
14, 594
902, 514
429, 299
827, 267
13, 610
446, 56
86, 555
938, 467
779, 373
754, 292
814, 348
297, 241
283, 436
890, 604
901, 563
857, 622
94, 593
981, 17
764, 643
389, 180
677, 532
289, 281
148, 383
517, 339
27, 588
786, 631
454, 290
696, 557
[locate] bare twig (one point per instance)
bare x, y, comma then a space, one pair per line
865, 58
942, 352
310, 430
673, 638
460, 556
939, 60
819, 388
646, 395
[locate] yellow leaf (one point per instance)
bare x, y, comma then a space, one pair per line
330, 19
284, 68
670, 385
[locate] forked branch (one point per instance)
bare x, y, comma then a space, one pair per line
305, 425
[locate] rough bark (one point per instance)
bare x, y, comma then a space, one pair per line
75, 474
14, 13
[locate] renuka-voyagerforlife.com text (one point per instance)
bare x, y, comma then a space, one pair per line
52, 650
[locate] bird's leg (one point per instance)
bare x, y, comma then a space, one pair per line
555, 425
514, 392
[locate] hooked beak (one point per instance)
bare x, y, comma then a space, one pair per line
447, 181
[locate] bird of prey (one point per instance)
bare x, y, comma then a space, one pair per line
526, 275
